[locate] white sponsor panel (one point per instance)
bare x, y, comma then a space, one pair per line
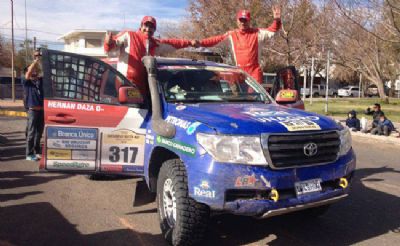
73, 165
71, 144
122, 147
84, 155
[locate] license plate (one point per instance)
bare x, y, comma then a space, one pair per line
308, 186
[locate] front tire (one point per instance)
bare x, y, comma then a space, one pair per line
183, 221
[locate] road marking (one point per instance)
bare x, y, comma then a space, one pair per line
125, 223
13, 113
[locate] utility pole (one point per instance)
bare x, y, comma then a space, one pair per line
327, 81
304, 84
34, 43
12, 53
359, 86
312, 79
26, 38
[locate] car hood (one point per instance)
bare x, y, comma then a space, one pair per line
251, 119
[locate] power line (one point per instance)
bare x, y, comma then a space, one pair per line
32, 30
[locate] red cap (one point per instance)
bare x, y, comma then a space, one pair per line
243, 14
150, 19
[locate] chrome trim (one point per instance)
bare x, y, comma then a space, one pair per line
281, 211
264, 145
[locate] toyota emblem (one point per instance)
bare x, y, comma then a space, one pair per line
310, 149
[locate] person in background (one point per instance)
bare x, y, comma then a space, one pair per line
352, 122
375, 112
384, 127
33, 87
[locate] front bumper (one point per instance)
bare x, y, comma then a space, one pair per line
221, 186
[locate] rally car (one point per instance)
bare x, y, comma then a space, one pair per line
207, 138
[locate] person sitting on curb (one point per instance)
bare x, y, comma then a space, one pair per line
375, 114
384, 127
352, 122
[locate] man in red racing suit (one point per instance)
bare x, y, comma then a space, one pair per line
246, 42
132, 46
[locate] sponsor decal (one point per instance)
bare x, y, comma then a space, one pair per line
58, 154
122, 147
292, 122
71, 144
74, 106
180, 107
192, 128
266, 182
204, 190
178, 122
70, 165
83, 155
243, 181
123, 137
71, 133
112, 168
132, 169
149, 139
286, 94
177, 145
300, 125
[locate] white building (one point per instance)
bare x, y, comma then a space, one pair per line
85, 42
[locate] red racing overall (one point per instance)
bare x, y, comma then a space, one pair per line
246, 46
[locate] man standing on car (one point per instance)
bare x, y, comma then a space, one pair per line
33, 87
246, 42
133, 46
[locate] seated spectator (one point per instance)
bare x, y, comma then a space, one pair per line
384, 127
375, 114
352, 122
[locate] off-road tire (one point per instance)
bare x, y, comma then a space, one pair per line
191, 217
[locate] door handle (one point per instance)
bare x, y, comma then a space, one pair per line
61, 119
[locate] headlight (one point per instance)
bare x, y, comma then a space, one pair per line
233, 149
345, 141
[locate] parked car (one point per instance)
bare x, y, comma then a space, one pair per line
319, 90
349, 91
372, 91
6, 88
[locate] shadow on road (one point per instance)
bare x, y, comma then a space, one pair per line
42, 224
16, 179
368, 213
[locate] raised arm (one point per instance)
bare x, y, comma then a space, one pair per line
274, 27
212, 41
111, 41
28, 74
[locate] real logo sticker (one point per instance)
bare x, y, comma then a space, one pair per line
204, 190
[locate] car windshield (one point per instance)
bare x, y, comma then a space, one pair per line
192, 84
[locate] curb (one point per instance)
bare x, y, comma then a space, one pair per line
12, 113
385, 139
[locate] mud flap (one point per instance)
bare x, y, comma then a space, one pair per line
142, 194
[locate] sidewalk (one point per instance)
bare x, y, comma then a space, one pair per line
16, 109
10, 108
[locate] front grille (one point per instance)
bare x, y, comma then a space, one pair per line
287, 150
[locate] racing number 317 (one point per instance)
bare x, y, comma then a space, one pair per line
115, 155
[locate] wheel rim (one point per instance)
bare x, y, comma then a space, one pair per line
169, 202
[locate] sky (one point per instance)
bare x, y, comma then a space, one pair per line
49, 19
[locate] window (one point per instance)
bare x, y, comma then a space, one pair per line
93, 43
84, 78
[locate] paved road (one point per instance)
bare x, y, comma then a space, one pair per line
56, 209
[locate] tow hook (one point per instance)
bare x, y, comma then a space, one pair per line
274, 195
343, 183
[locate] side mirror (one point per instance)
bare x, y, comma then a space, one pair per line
129, 95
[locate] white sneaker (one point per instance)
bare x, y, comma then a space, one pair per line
39, 156
31, 158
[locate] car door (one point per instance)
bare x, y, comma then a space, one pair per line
88, 128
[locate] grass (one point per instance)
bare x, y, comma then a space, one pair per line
341, 106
